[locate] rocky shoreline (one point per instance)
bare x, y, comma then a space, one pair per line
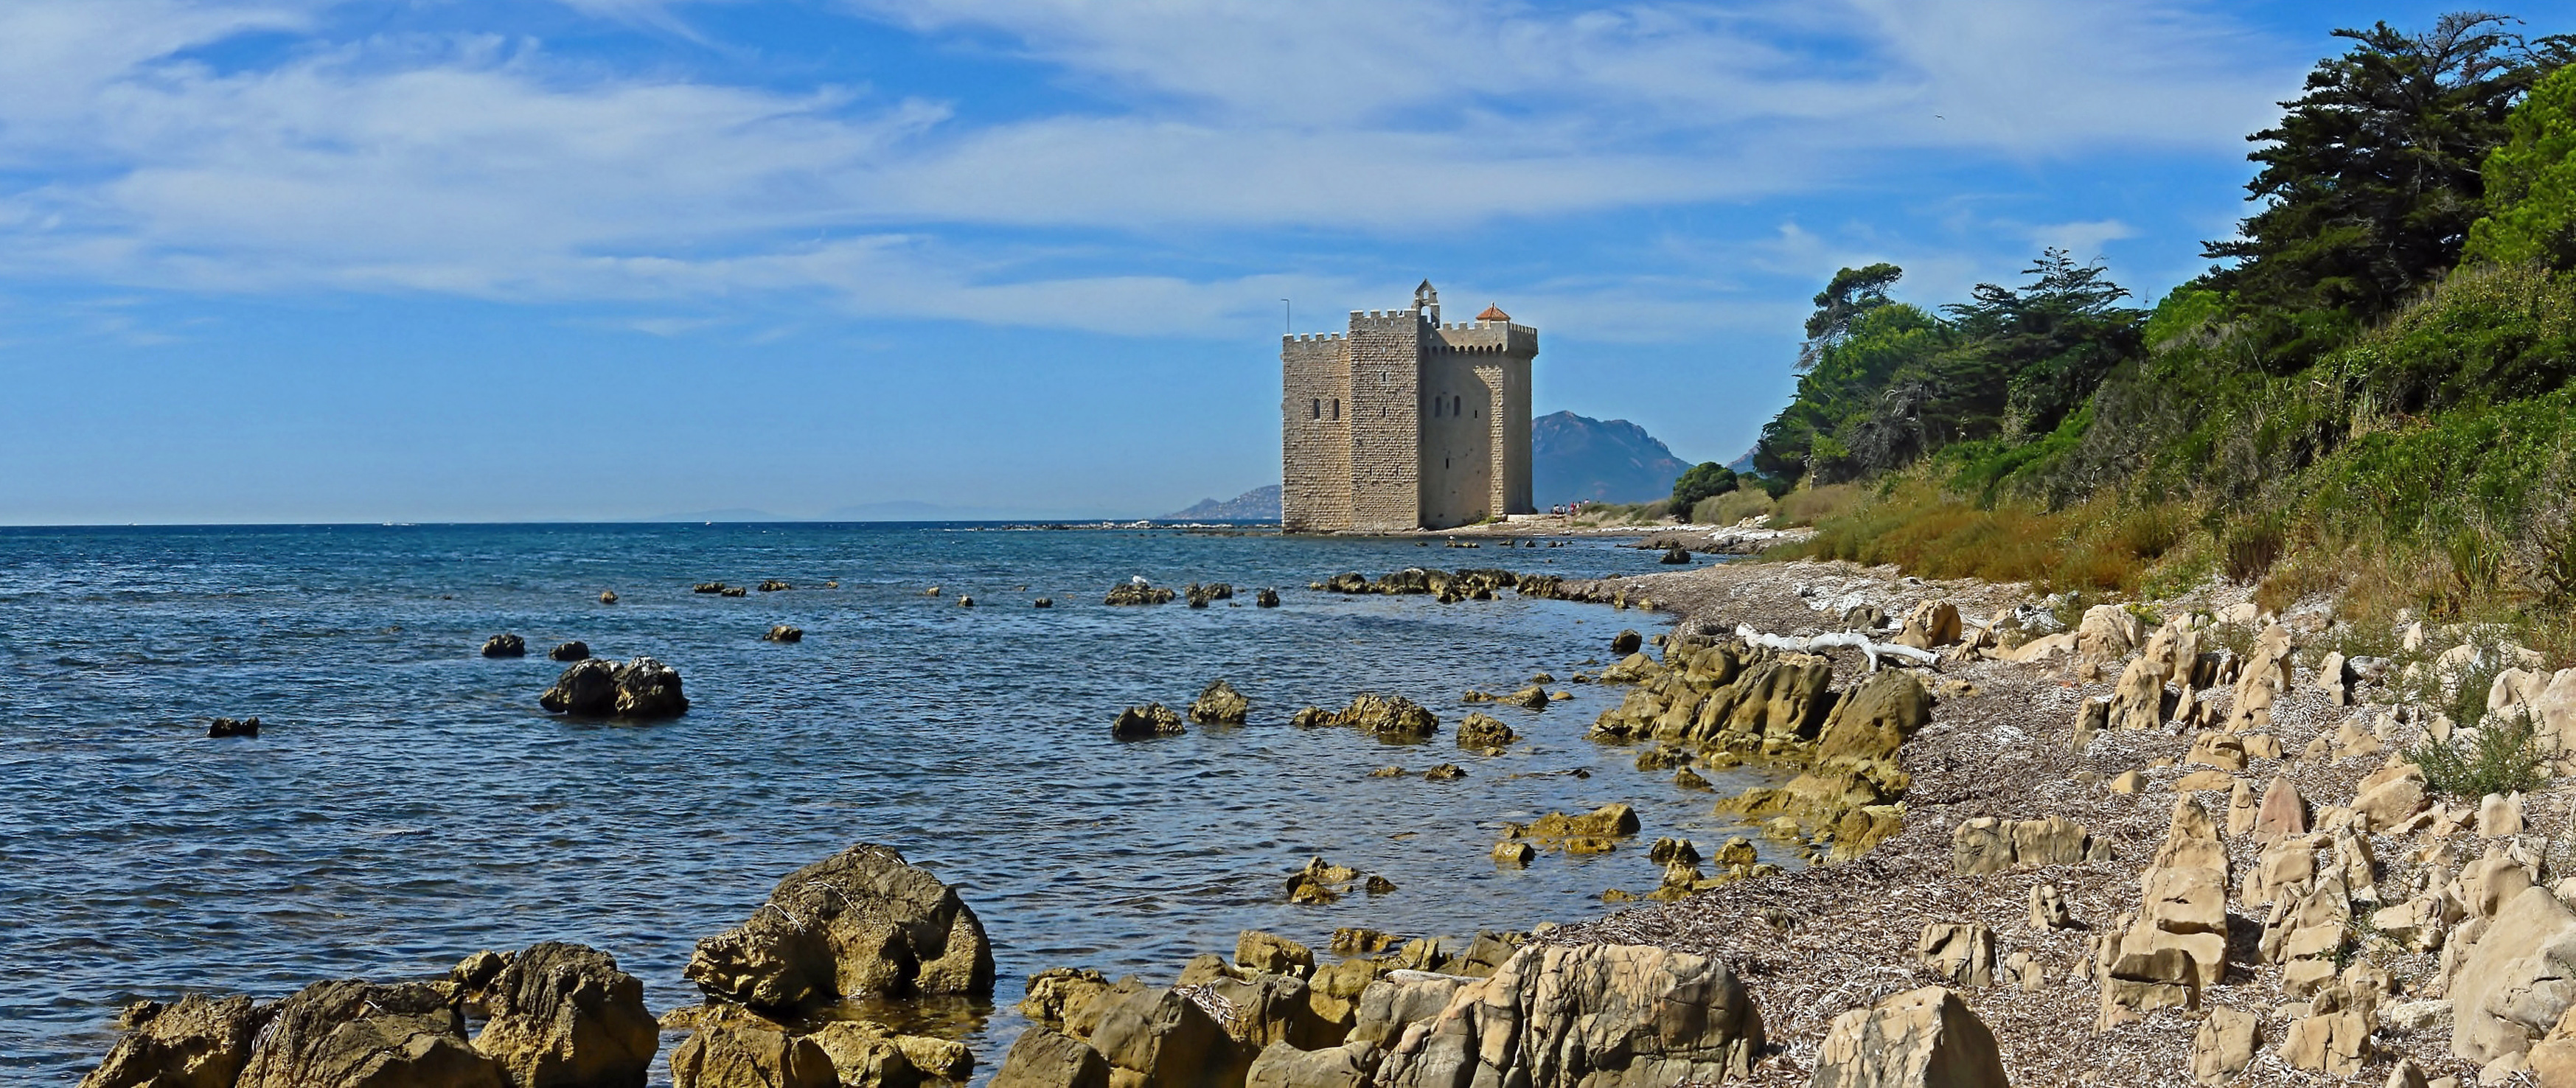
2035, 853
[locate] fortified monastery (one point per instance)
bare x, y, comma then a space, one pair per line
1404, 423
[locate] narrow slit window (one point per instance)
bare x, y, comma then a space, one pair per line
1316, 409
1453, 406
1337, 407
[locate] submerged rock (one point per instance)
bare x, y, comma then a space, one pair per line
576, 650
505, 646
608, 596
859, 923
227, 727
1389, 717
1138, 593
773, 585
1484, 731
1267, 598
1149, 720
639, 690
784, 633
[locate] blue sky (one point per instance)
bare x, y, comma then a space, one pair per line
304, 260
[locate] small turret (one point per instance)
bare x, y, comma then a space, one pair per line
1494, 313
1427, 299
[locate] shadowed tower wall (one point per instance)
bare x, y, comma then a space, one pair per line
1405, 423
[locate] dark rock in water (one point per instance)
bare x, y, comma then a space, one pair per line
1198, 598
708, 587
1267, 598
1220, 704
1675, 557
505, 646
1353, 582
733, 591
227, 727
1043, 602
964, 601
773, 585
1311, 715
1446, 772
352, 1034
1218, 591
1389, 717
1627, 642
1149, 720
200, 1041
860, 923
563, 1014
576, 650
639, 690
608, 596
784, 633
1139, 593
1484, 731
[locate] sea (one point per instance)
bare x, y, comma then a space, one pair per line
408, 803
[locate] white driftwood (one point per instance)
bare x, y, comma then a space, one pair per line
1853, 640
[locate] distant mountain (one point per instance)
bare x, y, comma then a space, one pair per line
1593, 460
729, 514
1258, 504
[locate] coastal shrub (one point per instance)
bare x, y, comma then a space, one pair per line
2501, 757
2252, 546
1732, 507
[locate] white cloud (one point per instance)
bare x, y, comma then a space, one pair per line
487, 166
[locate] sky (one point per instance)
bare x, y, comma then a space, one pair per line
515, 260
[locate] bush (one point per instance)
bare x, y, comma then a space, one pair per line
2500, 757
1818, 503
2252, 547
1706, 479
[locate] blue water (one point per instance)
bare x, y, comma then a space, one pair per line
408, 802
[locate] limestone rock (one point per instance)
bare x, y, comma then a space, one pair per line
505, 646
1930, 625
1627, 642
2334, 1043
744, 1053
2138, 700
1162, 1035
867, 1054
1388, 717
2048, 908
2283, 812
351, 1034
2390, 795
1057, 994
1280, 1065
1146, 722
199, 1042
1962, 952
2224, 1045
1220, 704
1925, 1038
563, 1016
638, 690
1255, 950
2517, 980
2222, 750
2500, 815
1046, 1058
861, 922
1514, 854
1875, 718
1609, 1016
2107, 634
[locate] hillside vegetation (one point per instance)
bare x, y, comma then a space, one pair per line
2372, 394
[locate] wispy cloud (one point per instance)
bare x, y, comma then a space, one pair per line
488, 166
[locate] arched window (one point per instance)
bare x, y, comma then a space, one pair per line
1453, 405
1337, 407
1315, 410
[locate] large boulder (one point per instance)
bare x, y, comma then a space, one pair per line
1925, 1038
563, 1016
1875, 718
199, 1042
639, 690
1146, 722
1046, 1058
2516, 980
1280, 1065
861, 922
1602, 1016
352, 1034
1389, 717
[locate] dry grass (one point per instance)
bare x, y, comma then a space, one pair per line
1809, 506
1732, 507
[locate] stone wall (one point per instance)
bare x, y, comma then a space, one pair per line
1315, 434
1386, 420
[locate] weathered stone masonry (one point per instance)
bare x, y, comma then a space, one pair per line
1404, 422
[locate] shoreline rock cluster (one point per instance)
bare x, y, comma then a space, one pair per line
862, 923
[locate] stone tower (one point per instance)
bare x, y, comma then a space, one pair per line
1405, 423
